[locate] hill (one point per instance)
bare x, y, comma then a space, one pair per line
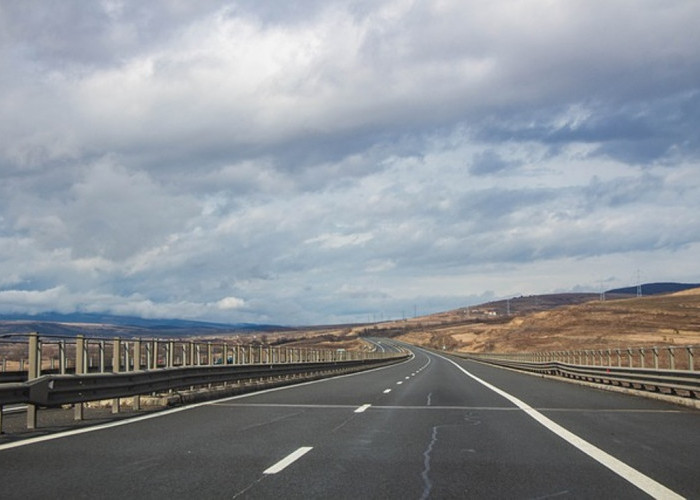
654, 288
655, 320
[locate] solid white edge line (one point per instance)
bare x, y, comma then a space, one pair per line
288, 460
362, 408
641, 481
163, 413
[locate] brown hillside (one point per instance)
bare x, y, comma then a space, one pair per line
655, 320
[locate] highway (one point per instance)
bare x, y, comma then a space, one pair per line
430, 427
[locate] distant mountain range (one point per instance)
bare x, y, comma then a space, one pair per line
108, 325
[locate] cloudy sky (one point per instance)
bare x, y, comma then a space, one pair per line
324, 161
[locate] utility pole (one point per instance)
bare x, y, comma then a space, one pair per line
639, 284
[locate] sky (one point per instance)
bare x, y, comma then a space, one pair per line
316, 162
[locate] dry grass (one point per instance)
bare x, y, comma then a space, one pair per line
672, 319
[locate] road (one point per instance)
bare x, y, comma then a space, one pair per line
431, 427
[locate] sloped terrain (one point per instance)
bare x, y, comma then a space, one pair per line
672, 319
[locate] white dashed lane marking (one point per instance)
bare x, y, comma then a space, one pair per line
288, 460
362, 408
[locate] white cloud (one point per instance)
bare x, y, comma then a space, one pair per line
337, 240
230, 303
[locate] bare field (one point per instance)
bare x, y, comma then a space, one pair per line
672, 319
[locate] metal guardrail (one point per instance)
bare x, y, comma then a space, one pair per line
69, 389
660, 357
13, 393
142, 367
684, 383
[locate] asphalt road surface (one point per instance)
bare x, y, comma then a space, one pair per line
431, 427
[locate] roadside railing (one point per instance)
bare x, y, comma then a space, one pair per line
50, 371
670, 370
666, 357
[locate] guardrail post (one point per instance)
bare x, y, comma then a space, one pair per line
149, 355
198, 350
79, 352
609, 357
155, 354
691, 364
137, 355
642, 356
655, 350
191, 347
137, 367
629, 355
34, 370
672, 357
116, 367
102, 356
619, 358
171, 354
127, 357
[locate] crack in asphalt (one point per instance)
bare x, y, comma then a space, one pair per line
425, 475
